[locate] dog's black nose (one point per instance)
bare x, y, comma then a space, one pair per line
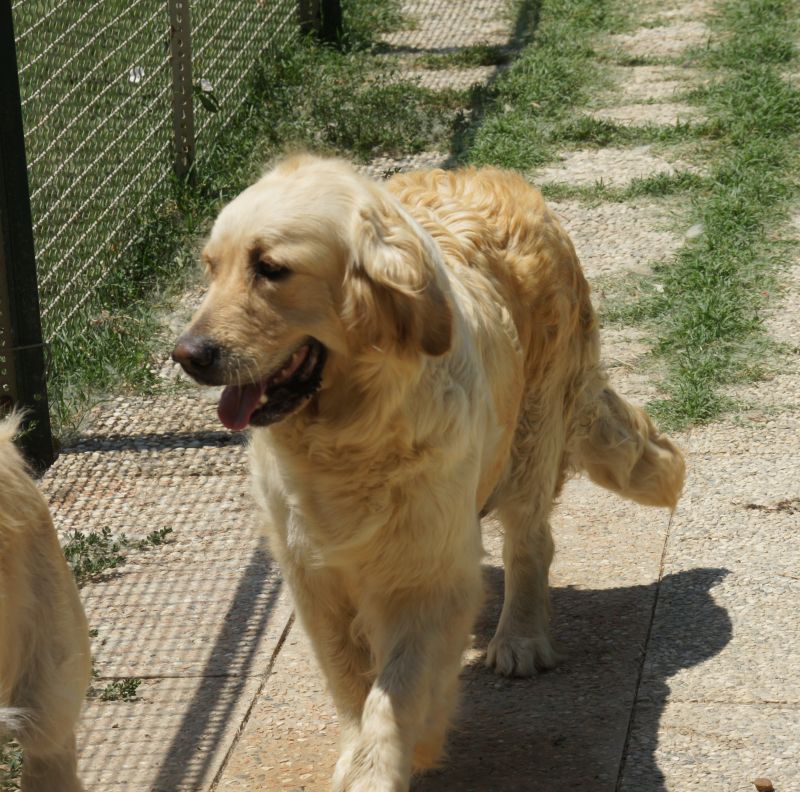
197, 355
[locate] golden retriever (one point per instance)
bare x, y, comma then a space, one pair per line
45, 661
411, 355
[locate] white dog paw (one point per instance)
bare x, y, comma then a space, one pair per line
515, 656
355, 773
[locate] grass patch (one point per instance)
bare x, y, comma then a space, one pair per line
618, 57
96, 552
364, 20
660, 185
600, 132
359, 106
706, 305
516, 121
466, 57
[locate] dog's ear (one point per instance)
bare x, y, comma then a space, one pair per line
392, 293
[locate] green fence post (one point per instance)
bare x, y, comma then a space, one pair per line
22, 360
322, 17
331, 29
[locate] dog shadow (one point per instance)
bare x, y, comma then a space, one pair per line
570, 729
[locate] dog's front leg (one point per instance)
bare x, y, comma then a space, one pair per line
327, 617
418, 639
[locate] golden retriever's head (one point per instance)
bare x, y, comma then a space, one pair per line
310, 265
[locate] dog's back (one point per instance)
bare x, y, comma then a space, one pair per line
493, 221
44, 642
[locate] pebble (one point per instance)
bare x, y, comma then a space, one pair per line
694, 232
763, 785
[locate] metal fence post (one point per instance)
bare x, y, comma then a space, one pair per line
323, 17
22, 362
331, 21
180, 49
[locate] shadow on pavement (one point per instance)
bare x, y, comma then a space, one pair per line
568, 729
187, 762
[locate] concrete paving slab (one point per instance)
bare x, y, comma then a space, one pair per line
290, 741
740, 515
660, 114
566, 728
384, 167
651, 83
662, 41
442, 26
174, 738
618, 238
610, 166
451, 79
755, 434
197, 618
708, 746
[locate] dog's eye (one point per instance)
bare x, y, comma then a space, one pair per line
270, 270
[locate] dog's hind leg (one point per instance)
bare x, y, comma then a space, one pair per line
521, 643
52, 693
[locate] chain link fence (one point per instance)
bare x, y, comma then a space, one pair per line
96, 86
117, 95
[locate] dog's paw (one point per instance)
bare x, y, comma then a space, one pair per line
515, 656
359, 770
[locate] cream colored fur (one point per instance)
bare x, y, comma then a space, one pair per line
44, 639
463, 377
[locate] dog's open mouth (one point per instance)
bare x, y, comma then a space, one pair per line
280, 393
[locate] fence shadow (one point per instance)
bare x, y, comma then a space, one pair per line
567, 730
526, 24
187, 762
150, 441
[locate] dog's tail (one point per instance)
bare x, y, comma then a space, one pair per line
620, 449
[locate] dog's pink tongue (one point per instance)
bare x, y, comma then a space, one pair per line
238, 403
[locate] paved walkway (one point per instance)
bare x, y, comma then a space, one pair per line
679, 634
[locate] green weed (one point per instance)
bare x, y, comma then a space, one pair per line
121, 690
10, 766
91, 554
